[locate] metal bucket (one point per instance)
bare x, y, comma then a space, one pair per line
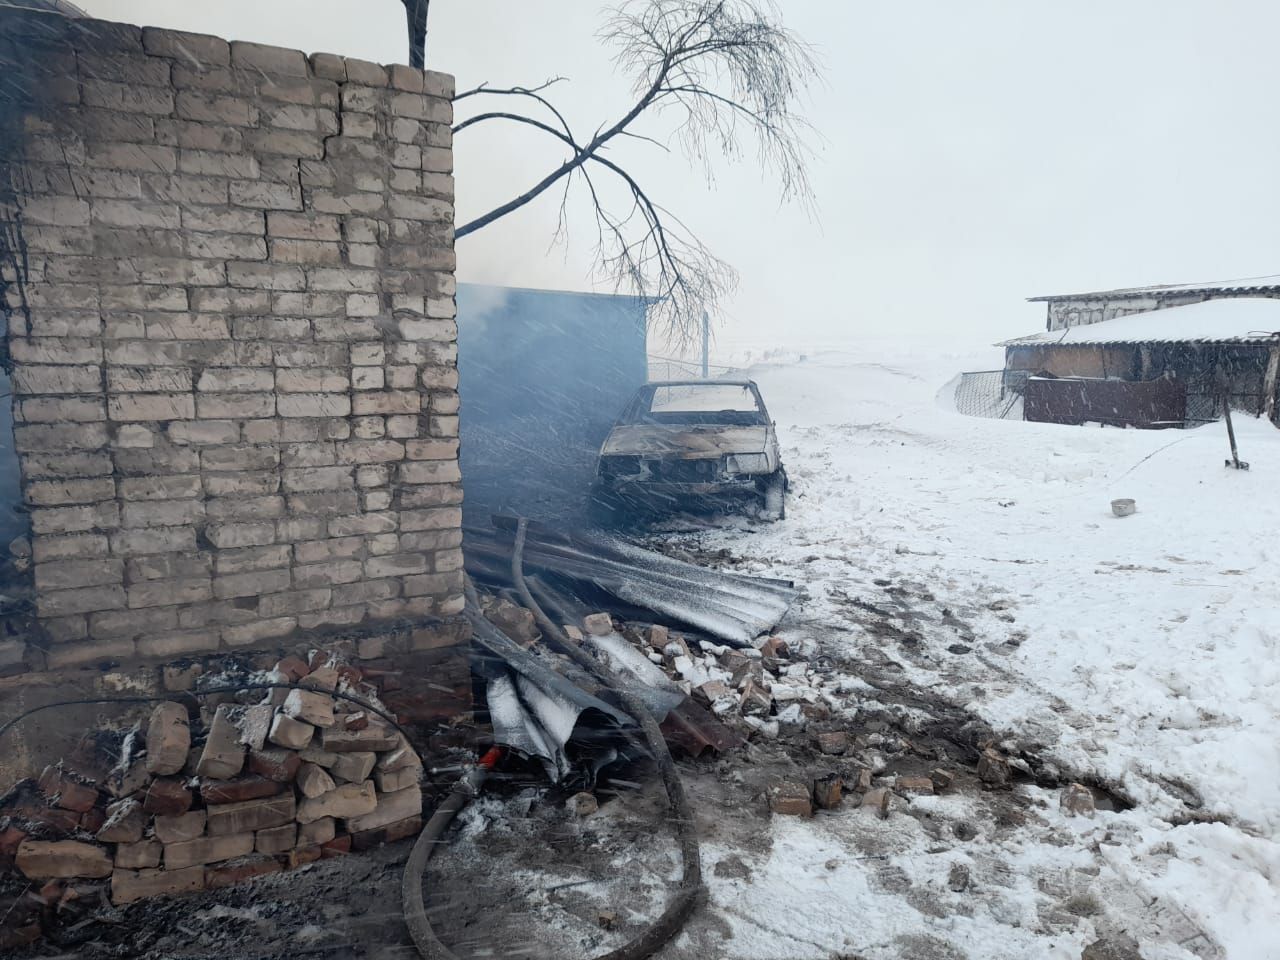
1123, 507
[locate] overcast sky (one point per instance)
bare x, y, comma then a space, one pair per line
971, 155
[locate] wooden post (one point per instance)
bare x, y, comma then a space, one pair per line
1269, 385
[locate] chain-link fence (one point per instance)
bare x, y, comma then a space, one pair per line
989, 393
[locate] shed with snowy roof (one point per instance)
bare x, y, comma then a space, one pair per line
1065, 310
1214, 348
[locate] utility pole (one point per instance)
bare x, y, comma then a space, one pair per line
706, 346
416, 10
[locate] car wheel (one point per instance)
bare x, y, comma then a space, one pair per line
774, 498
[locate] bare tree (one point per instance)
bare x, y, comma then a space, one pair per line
723, 73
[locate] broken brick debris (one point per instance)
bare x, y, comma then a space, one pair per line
275, 764
178, 827
791, 798
942, 779
317, 831
130, 885
217, 805
204, 850
310, 707
878, 800
290, 733
993, 768
376, 738
396, 780
252, 787
354, 767
336, 847
279, 839
299, 856
345, 801
598, 624
124, 823
64, 791
756, 700
775, 648
168, 739
314, 780
828, 791
223, 754
232, 818
913, 786
238, 871
166, 795
140, 855
832, 742
389, 808
42, 859
1077, 799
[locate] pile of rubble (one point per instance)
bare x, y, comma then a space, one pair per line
763, 687
772, 692
208, 797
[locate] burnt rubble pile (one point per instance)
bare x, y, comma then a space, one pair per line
762, 689
775, 691
205, 797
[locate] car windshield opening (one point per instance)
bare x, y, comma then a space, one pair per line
709, 403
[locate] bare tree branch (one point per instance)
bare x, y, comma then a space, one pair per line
730, 75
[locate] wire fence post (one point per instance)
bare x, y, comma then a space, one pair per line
706, 346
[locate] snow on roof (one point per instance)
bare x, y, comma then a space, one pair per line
1236, 320
1238, 285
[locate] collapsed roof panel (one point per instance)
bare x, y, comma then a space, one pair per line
732, 608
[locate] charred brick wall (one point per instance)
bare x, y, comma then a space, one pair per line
228, 282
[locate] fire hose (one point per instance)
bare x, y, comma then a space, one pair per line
686, 898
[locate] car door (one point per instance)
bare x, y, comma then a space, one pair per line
771, 450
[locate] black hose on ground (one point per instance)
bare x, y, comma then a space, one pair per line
415, 911
690, 889
469, 786
686, 898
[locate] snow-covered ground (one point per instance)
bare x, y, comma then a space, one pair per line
1142, 652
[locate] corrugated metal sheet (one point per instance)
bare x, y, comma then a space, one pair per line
1266, 284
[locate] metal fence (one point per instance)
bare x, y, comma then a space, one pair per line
989, 393
671, 368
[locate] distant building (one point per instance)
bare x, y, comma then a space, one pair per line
542, 376
1077, 309
1168, 365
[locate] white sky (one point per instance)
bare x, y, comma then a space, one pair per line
973, 154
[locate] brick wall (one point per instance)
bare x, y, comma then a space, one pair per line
230, 301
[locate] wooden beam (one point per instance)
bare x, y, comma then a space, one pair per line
1269, 385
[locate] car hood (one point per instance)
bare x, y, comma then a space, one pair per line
701, 442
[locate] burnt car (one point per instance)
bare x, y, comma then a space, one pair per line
696, 444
